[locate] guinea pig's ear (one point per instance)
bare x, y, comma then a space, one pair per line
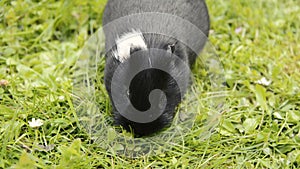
134, 49
171, 48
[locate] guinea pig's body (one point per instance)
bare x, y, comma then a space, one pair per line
139, 25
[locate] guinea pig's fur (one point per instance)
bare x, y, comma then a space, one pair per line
123, 41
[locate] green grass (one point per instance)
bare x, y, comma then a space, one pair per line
260, 127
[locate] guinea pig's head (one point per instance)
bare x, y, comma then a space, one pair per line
149, 62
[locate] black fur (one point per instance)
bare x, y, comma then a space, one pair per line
195, 11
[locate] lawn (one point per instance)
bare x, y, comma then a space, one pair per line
257, 43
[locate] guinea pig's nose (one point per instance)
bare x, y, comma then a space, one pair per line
161, 103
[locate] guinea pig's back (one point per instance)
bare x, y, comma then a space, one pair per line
184, 20
195, 11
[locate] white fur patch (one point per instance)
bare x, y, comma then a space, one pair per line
133, 39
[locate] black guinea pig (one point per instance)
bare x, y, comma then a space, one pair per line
133, 30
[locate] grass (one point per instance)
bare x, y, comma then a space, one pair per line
260, 127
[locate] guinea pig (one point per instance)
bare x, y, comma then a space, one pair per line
133, 29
